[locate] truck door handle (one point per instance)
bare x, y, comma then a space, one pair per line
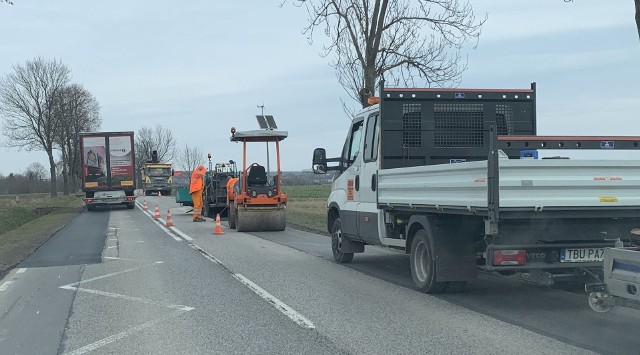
357, 182
374, 182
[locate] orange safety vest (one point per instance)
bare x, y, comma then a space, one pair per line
197, 179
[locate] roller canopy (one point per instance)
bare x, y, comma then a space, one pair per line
259, 136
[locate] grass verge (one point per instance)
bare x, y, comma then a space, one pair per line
28, 222
307, 207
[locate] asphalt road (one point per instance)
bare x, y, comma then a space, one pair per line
115, 281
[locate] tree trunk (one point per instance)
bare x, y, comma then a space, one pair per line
65, 177
65, 172
369, 85
52, 170
638, 16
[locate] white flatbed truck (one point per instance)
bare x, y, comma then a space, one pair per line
438, 173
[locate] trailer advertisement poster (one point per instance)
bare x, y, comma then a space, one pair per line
121, 161
95, 167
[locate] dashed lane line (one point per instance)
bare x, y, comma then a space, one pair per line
274, 301
5, 285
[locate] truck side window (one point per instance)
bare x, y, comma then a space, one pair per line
371, 139
354, 144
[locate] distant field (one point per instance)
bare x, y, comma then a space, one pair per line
307, 206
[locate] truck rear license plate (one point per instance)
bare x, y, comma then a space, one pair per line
581, 255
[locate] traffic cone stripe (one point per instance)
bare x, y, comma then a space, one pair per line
156, 215
169, 219
145, 205
218, 228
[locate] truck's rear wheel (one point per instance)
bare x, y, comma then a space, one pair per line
423, 264
336, 243
131, 205
91, 208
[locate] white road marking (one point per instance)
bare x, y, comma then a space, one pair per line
113, 239
124, 334
183, 235
128, 298
279, 305
160, 222
115, 246
21, 270
5, 285
207, 255
140, 241
275, 302
74, 284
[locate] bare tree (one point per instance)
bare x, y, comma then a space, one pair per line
404, 40
189, 159
77, 110
27, 98
159, 139
35, 173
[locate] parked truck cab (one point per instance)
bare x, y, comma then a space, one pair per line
438, 173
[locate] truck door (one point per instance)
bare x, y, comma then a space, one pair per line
367, 209
349, 180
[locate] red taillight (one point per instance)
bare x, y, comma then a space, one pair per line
88, 200
509, 257
131, 198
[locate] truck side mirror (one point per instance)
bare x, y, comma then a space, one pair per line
319, 161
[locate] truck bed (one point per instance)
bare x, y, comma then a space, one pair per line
555, 184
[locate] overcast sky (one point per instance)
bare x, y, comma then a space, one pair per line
199, 67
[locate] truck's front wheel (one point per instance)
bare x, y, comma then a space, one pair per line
336, 243
423, 265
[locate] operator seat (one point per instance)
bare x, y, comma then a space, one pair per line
257, 176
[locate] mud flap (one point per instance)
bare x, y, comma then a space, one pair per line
349, 246
453, 248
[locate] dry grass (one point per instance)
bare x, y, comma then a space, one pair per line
307, 206
28, 221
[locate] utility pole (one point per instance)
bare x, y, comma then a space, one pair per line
261, 107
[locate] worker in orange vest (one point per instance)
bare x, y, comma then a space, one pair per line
196, 189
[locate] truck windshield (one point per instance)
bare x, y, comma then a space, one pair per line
159, 172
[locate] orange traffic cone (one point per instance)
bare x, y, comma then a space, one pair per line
218, 229
157, 213
169, 222
145, 205
159, 194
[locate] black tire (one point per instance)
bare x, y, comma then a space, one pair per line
233, 212
131, 205
423, 265
91, 208
336, 244
147, 193
166, 193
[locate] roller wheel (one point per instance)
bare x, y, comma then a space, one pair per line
423, 265
233, 213
336, 244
